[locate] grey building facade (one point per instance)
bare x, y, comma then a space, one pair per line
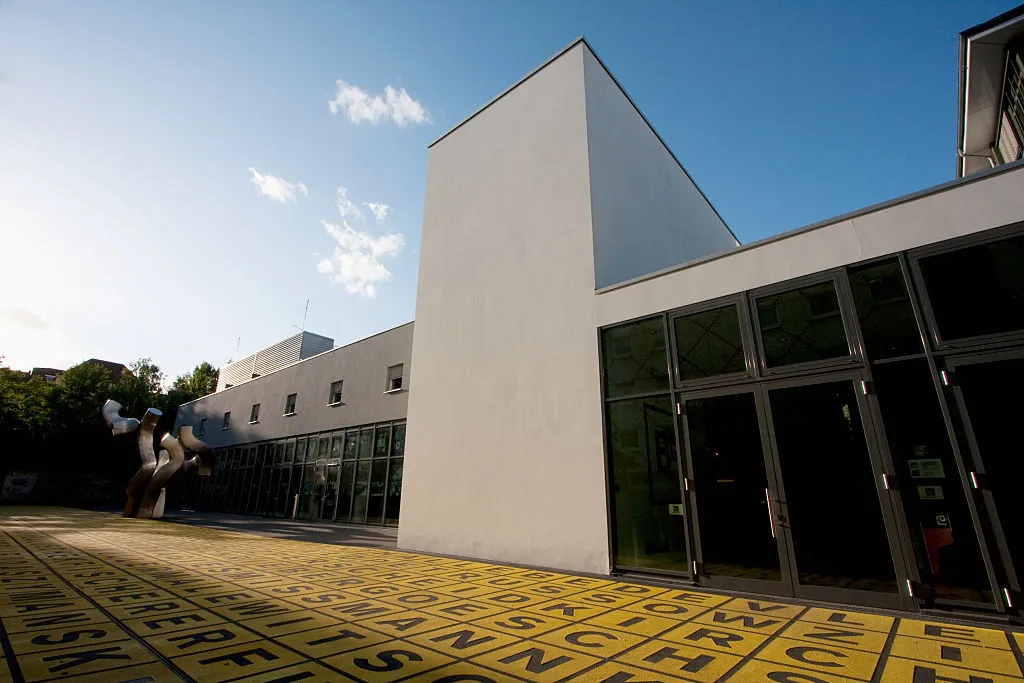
608, 382
321, 438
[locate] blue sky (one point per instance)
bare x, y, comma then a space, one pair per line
131, 225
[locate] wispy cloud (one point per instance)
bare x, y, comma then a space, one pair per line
355, 263
276, 188
395, 105
23, 318
346, 207
379, 211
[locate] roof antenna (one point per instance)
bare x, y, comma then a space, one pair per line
303, 328
237, 344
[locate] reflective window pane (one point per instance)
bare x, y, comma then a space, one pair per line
375, 506
348, 477
361, 492
730, 487
802, 325
649, 526
351, 444
365, 442
336, 442
398, 441
709, 344
635, 359
933, 498
300, 451
831, 499
978, 290
394, 501
380, 442
884, 311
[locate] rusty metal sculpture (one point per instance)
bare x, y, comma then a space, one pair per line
146, 490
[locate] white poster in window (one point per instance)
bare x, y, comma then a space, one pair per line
926, 468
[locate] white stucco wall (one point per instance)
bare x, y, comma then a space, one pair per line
505, 458
989, 202
647, 212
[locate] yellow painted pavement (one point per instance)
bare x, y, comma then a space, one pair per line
89, 596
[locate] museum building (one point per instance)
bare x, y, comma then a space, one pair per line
608, 382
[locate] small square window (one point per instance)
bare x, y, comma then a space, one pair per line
289, 404
395, 378
254, 414
202, 427
335, 397
227, 420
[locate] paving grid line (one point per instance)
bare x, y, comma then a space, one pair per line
174, 667
12, 661
883, 659
310, 563
114, 621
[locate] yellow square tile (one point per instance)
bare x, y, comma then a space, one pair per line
43, 607
566, 609
683, 611
843, 636
132, 597
388, 661
841, 619
898, 670
464, 590
954, 634
463, 640
633, 623
758, 671
406, 624
66, 636
674, 659
742, 621
151, 609
237, 661
615, 672
306, 671
322, 598
329, 640
764, 608
182, 621
521, 624
464, 610
200, 639
972, 657
822, 657
462, 671
288, 589
551, 590
262, 607
512, 599
535, 661
608, 597
591, 640
82, 659
277, 625
717, 638
417, 599
129, 674
223, 595
38, 622
359, 609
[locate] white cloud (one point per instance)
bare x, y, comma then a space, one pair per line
355, 263
346, 207
396, 105
276, 188
23, 318
379, 211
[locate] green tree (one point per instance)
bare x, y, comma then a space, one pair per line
140, 388
25, 407
78, 395
192, 385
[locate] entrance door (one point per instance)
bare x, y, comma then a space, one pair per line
330, 496
989, 400
788, 495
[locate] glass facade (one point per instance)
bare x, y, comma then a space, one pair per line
850, 439
352, 475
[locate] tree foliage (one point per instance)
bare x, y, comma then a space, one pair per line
192, 385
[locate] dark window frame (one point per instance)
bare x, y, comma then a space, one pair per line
290, 403
226, 420
746, 338
914, 258
334, 397
400, 378
254, 413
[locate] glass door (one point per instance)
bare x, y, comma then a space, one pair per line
330, 496
834, 505
730, 494
788, 494
989, 401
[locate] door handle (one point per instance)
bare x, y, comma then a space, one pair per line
771, 515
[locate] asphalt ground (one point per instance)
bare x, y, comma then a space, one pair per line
89, 596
